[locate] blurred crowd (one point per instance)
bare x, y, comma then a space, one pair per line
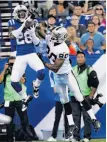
85, 22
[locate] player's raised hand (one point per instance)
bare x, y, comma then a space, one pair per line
32, 29
29, 22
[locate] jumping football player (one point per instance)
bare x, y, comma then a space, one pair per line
58, 53
22, 35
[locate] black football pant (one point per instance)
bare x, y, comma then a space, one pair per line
58, 112
76, 112
10, 111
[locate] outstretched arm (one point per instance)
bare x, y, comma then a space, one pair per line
56, 66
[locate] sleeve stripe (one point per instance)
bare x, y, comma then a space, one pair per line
10, 22
13, 21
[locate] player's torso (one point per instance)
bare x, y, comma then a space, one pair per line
24, 43
54, 51
51, 51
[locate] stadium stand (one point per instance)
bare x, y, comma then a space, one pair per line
6, 9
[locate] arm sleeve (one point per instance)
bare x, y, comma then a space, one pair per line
93, 79
36, 40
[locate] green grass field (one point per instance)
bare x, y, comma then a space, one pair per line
98, 140
93, 140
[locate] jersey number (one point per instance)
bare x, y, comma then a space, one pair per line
24, 38
63, 56
51, 55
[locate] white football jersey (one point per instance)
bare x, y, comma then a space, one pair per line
60, 51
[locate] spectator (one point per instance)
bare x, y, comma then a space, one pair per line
88, 82
42, 8
61, 7
74, 41
51, 21
39, 6
80, 29
77, 10
47, 26
96, 21
87, 5
52, 11
104, 21
98, 38
99, 11
29, 3
89, 48
83, 19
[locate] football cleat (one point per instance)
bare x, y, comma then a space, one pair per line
73, 140
26, 102
71, 131
85, 140
51, 139
96, 125
35, 91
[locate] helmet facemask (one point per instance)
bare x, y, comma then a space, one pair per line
22, 15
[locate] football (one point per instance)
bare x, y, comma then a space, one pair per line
29, 23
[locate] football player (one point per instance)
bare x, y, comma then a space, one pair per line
58, 53
23, 38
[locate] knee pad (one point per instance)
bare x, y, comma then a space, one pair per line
41, 74
86, 105
17, 86
68, 109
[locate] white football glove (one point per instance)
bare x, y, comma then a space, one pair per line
35, 39
32, 30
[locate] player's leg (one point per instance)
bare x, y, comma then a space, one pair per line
58, 112
62, 90
17, 72
36, 64
10, 111
74, 87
